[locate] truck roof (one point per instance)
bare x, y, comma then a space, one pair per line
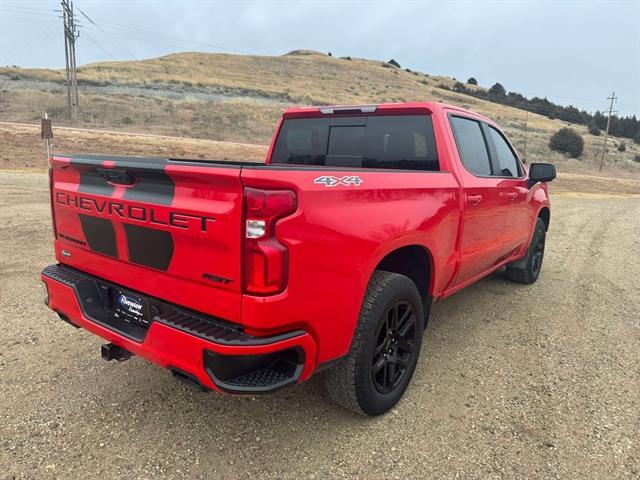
399, 108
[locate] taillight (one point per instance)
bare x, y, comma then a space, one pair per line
265, 258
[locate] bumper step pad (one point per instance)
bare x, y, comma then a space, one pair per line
260, 378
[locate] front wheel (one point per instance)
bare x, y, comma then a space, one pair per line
528, 269
385, 347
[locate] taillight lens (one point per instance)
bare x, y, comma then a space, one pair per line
265, 258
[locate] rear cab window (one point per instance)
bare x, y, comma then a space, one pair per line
403, 142
471, 145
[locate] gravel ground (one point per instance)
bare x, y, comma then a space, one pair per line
513, 381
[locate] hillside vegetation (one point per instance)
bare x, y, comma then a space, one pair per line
239, 98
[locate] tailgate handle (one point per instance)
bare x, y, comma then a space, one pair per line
120, 177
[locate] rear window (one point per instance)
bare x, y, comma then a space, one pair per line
399, 141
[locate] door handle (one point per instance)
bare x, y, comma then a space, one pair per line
474, 199
511, 196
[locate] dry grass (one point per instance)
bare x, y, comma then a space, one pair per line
303, 79
581, 183
235, 121
294, 78
306, 79
258, 87
23, 149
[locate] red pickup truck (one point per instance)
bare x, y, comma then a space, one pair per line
245, 278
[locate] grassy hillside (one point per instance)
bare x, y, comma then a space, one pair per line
239, 98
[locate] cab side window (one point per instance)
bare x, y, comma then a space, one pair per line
471, 145
507, 163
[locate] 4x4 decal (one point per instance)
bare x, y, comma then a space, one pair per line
331, 181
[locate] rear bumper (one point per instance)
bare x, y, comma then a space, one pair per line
218, 355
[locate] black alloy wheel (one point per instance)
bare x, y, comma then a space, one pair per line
527, 269
537, 252
384, 351
394, 347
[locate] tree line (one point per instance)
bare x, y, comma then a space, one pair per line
619, 127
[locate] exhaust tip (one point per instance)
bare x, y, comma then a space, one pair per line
110, 352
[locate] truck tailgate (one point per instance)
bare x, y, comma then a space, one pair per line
166, 228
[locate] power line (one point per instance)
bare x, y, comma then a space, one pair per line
24, 18
44, 36
576, 98
22, 7
6, 5
118, 44
37, 15
88, 37
151, 39
155, 38
155, 35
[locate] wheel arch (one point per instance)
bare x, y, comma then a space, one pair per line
415, 261
545, 215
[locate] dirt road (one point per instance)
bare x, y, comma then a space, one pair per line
513, 381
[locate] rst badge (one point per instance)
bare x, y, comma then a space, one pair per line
331, 181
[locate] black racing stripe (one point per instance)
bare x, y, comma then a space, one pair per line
92, 182
152, 183
100, 235
152, 186
117, 159
148, 163
149, 247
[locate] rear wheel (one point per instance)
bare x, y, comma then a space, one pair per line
528, 269
385, 348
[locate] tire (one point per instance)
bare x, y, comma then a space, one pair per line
528, 269
387, 338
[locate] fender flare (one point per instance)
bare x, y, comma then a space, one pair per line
411, 239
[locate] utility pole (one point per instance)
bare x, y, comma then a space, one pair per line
613, 98
70, 35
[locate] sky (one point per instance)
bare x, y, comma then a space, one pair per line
572, 52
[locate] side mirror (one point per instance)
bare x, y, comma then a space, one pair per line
541, 172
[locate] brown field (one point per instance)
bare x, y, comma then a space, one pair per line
22, 147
